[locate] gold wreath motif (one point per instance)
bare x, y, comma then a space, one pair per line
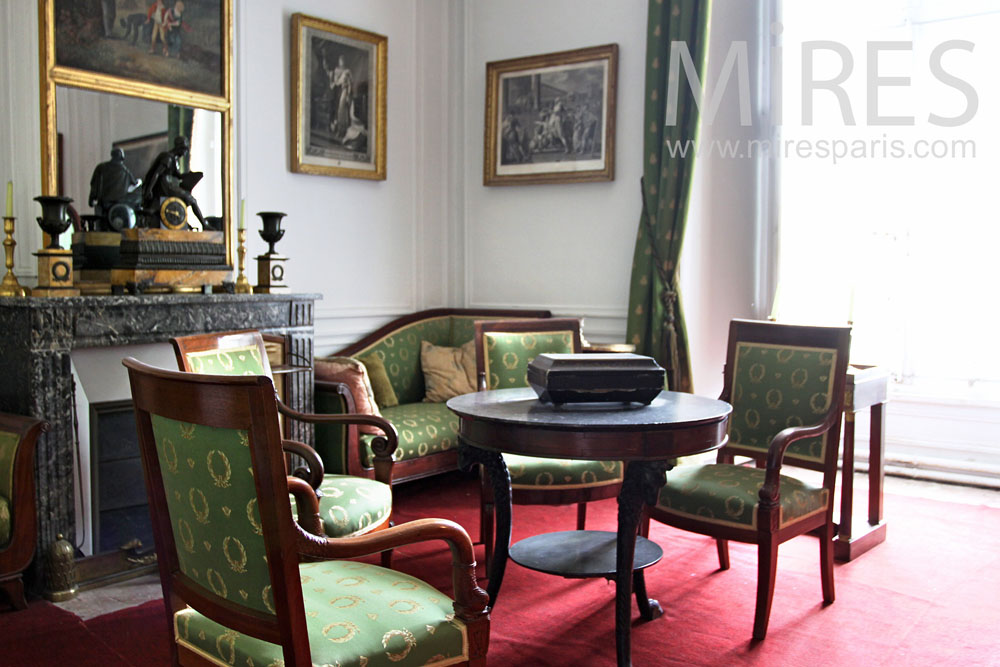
251, 516
201, 516
187, 537
752, 418
170, 455
544, 479
219, 589
352, 601
819, 402
352, 581
735, 506
220, 480
197, 363
405, 585
793, 420
187, 431
226, 361
432, 431
349, 631
757, 372
183, 625
799, 377
265, 595
785, 355
827, 358
413, 606
423, 448
528, 342
494, 381
407, 636
227, 638
404, 354
509, 360
339, 516
364, 492
773, 398
588, 477
238, 564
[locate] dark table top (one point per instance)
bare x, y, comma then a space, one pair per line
515, 421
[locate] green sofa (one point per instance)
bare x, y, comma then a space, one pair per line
427, 431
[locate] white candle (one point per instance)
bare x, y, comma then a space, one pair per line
243, 212
10, 199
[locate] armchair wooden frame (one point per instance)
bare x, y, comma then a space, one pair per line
535, 496
769, 533
17, 554
249, 403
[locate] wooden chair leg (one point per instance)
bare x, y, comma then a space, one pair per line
486, 519
14, 588
767, 562
386, 557
581, 515
723, 548
826, 562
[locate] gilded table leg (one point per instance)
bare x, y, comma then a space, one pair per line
470, 456
642, 484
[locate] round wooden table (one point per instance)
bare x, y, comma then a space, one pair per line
646, 437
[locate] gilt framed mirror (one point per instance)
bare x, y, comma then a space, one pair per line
113, 76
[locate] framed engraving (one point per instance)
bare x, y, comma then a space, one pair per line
551, 118
338, 99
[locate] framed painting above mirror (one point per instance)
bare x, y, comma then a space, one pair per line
173, 51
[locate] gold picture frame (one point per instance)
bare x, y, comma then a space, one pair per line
551, 118
143, 75
338, 99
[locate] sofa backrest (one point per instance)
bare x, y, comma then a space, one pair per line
399, 348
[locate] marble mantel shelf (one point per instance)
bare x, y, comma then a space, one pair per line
38, 335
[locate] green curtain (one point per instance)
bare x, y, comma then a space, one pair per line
655, 318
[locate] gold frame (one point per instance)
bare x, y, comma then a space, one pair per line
52, 75
496, 70
377, 132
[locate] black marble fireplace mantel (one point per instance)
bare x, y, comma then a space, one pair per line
38, 335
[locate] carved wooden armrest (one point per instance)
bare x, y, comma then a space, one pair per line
314, 472
306, 505
470, 600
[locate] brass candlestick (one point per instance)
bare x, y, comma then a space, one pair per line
10, 286
242, 284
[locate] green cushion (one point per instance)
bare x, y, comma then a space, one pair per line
727, 494
356, 614
424, 428
385, 395
235, 361
212, 500
5, 521
8, 448
508, 354
531, 472
775, 387
352, 506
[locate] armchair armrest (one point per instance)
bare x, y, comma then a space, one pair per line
771, 489
314, 472
306, 505
384, 446
470, 600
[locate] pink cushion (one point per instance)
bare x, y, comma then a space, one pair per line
352, 373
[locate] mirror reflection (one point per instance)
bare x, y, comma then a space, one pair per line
121, 157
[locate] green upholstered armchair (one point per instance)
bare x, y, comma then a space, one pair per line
18, 526
349, 505
786, 385
503, 351
243, 583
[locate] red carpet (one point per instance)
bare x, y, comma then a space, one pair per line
928, 596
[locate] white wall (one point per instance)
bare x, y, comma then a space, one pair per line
432, 234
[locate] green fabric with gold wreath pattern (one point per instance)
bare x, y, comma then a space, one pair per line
356, 613
5, 521
400, 353
235, 361
775, 387
533, 472
212, 500
352, 506
508, 354
8, 450
727, 494
424, 428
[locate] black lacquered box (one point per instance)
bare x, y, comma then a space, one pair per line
584, 378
